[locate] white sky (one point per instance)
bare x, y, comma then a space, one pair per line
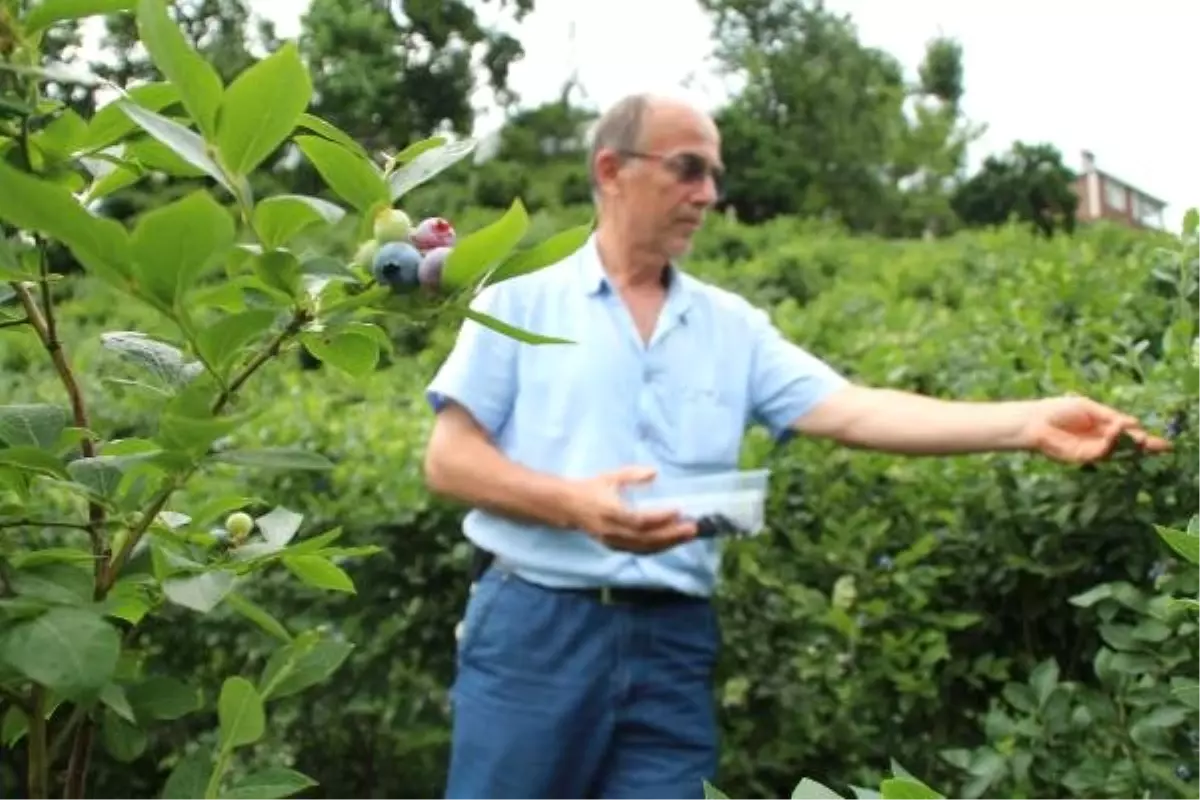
1112, 78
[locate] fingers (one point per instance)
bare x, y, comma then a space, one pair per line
652, 540
631, 474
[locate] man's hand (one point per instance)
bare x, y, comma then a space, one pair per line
1079, 431
595, 507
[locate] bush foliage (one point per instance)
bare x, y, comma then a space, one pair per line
997, 625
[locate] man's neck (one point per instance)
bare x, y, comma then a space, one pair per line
627, 265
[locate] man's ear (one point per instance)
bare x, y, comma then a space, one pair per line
606, 165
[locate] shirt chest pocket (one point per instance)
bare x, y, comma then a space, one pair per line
705, 420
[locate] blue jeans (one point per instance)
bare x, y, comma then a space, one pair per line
561, 695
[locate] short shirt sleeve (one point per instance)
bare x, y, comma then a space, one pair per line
786, 381
480, 372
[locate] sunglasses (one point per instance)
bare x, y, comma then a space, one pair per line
686, 167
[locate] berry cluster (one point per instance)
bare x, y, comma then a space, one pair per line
403, 256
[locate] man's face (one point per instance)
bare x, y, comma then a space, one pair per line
663, 188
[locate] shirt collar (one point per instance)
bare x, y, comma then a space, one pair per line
594, 280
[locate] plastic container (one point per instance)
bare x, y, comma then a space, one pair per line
724, 503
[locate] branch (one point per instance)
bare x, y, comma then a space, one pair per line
299, 319
19, 700
47, 331
12, 323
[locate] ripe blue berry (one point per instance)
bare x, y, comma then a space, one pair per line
396, 265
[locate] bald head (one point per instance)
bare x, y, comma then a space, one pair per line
625, 127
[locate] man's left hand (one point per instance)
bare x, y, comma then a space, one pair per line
1079, 431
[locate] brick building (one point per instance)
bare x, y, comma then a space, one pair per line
1104, 196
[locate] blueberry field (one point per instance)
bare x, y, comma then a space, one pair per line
221, 574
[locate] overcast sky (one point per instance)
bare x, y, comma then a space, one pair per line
1112, 78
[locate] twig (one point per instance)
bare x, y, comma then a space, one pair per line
39, 766
77, 766
12, 323
299, 319
17, 699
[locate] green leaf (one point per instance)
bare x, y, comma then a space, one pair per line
258, 615
331, 132
110, 123
222, 342
240, 713
1186, 545
33, 459
426, 164
174, 244
165, 362
1191, 221
101, 474
49, 12
478, 253
907, 789
68, 650
521, 335
123, 740
200, 593
277, 219
304, 663
416, 148
808, 788
354, 178
1043, 680
1187, 691
319, 572
260, 109
274, 458
268, 784
551, 251
350, 352
114, 697
199, 85
164, 698
34, 424
182, 141
189, 779
100, 245
713, 793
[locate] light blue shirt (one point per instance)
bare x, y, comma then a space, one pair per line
714, 366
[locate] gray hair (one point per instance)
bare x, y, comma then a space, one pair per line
619, 128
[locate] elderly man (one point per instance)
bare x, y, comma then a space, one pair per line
587, 648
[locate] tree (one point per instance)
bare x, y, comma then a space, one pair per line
1030, 182
388, 73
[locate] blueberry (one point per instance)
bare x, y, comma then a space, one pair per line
1183, 772
432, 264
884, 562
397, 265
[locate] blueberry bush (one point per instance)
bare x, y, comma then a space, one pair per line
100, 536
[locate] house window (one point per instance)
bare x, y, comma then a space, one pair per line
1114, 195
1147, 211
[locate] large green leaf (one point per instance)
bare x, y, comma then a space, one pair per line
49, 12
240, 713
164, 698
123, 740
305, 662
520, 334
426, 164
101, 245
544, 254
110, 123
478, 253
319, 572
350, 352
32, 424
261, 107
808, 789
907, 789
277, 219
1185, 544
71, 651
330, 131
201, 592
199, 84
269, 784
165, 362
182, 141
351, 176
175, 243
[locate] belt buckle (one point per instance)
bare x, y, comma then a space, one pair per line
606, 596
